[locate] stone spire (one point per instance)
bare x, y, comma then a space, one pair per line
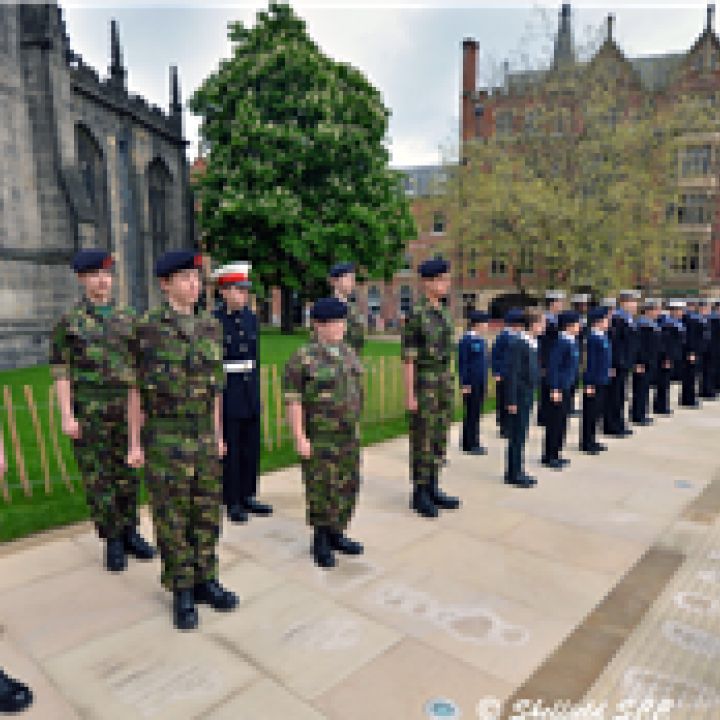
117, 69
564, 51
610, 28
175, 99
709, 26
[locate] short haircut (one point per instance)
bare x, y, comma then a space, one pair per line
532, 316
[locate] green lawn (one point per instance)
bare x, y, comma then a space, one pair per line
384, 418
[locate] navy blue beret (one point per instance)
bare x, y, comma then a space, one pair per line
515, 316
175, 260
597, 313
329, 308
477, 316
432, 268
569, 317
91, 259
341, 269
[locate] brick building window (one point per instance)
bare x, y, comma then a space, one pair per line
498, 267
472, 273
438, 227
694, 209
526, 261
532, 122
696, 161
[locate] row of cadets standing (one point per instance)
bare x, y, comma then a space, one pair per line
645, 364
554, 301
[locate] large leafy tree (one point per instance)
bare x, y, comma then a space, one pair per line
297, 173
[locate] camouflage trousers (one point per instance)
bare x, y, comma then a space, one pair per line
111, 487
182, 473
429, 425
331, 476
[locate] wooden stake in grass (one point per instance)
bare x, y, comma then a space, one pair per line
39, 435
278, 404
382, 387
19, 459
265, 391
54, 438
3, 477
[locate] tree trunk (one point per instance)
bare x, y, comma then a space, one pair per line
286, 312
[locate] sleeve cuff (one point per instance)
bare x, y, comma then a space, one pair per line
409, 354
60, 372
292, 396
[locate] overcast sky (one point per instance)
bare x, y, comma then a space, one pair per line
409, 50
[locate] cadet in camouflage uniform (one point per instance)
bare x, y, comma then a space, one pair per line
89, 359
179, 381
342, 280
322, 385
427, 343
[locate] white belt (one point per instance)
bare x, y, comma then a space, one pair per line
239, 366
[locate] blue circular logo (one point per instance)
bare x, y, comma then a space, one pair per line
441, 708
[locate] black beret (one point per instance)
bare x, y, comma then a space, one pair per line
432, 268
515, 316
329, 308
569, 317
175, 260
341, 269
477, 316
597, 313
91, 259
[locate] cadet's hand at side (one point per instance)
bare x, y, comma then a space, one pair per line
590, 390
556, 396
222, 448
466, 390
512, 409
411, 404
135, 457
71, 427
303, 447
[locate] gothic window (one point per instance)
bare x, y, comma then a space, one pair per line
159, 185
91, 164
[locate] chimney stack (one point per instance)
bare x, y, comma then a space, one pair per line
470, 52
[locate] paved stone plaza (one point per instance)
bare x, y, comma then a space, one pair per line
600, 584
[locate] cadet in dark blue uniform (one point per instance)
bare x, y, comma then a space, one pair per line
580, 304
623, 345
646, 359
707, 385
669, 353
598, 368
472, 371
241, 398
561, 372
521, 380
715, 343
498, 362
554, 301
691, 355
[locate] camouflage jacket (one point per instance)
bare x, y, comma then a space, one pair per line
327, 381
178, 364
92, 351
427, 337
355, 333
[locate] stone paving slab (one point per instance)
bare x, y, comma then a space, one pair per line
463, 607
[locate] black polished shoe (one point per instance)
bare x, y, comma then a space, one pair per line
528, 480
344, 544
237, 514
564, 461
115, 558
321, 551
185, 615
477, 450
137, 546
599, 447
212, 593
590, 450
443, 501
422, 502
14, 696
257, 508
553, 464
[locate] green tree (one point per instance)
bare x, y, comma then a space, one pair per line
297, 172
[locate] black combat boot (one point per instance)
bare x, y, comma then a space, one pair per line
237, 514
115, 558
422, 502
137, 546
185, 616
439, 498
14, 696
344, 544
321, 548
212, 593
